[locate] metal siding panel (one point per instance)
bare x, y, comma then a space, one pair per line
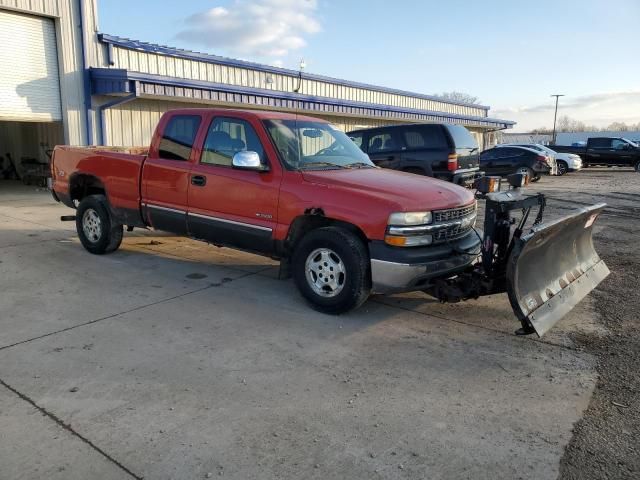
42, 7
29, 81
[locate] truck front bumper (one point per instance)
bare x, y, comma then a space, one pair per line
405, 269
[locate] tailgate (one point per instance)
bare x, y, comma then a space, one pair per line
468, 158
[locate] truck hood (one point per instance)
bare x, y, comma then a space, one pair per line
409, 192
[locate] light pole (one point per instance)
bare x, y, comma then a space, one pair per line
555, 116
303, 64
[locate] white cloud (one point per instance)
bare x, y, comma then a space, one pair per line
254, 28
599, 109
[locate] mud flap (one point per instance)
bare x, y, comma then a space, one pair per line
552, 268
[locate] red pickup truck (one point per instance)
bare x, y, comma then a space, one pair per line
298, 189
291, 187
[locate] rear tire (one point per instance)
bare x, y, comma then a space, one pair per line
331, 269
637, 167
563, 167
96, 231
527, 171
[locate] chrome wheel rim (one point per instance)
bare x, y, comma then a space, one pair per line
523, 170
561, 168
325, 272
91, 225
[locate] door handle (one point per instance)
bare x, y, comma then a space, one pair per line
198, 180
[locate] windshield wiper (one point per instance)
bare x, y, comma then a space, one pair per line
304, 165
359, 165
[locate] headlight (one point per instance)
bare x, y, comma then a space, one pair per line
409, 229
410, 218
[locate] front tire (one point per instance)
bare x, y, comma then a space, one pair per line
637, 167
563, 167
331, 269
96, 231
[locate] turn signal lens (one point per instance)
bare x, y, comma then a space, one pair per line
395, 241
408, 241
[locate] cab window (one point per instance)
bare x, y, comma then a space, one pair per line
226, 137
178, 136
425, 136
357, 139
600, 143
381, 142
618, 144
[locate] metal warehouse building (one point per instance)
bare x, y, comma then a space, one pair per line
64, 81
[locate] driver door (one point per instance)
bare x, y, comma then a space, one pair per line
621, 153
230, 206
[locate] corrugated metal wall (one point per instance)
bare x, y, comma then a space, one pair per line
41, 7
157, 64
132, 124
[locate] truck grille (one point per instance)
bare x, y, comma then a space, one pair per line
455, 229
450, 233
440, 216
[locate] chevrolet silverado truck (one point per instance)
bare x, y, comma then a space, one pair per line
607, 151
299, 190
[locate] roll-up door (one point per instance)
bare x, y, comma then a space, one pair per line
29, 83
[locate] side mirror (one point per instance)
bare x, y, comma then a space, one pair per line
248, 160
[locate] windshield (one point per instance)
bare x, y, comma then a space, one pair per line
309, 145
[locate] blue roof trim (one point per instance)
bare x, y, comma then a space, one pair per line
109, 81
209, 58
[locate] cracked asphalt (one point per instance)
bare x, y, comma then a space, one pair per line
172, 359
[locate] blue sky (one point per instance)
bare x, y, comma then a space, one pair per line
510, 54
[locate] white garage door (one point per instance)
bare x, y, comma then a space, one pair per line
29, 85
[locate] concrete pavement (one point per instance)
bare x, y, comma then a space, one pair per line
174, 359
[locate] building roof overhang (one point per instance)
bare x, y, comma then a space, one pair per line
111, 81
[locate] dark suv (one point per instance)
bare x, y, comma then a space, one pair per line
440, 150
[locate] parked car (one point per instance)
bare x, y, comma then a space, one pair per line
607, 151
565, 162
445, 151
506, 160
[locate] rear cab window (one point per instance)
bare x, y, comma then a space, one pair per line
600, 142
178, 137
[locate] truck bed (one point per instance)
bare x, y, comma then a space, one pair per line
569, 149
119, 168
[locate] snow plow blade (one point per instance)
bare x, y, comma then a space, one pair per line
553, 267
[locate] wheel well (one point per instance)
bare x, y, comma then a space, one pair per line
313, 219
82, 185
